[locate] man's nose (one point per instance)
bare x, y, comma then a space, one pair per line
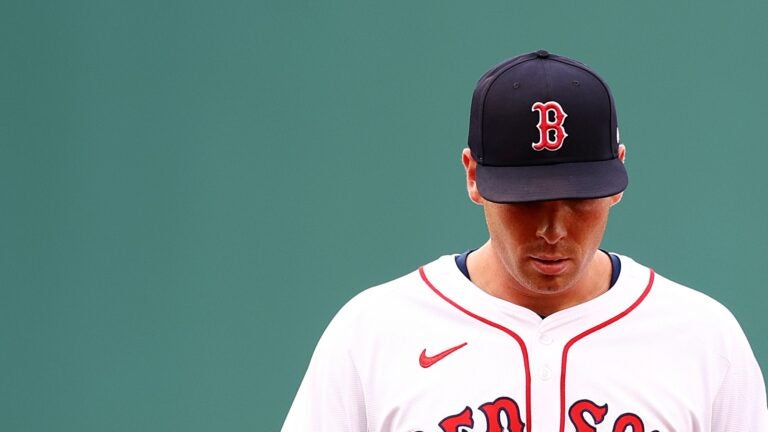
551, 226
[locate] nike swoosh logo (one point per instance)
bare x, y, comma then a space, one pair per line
426, 361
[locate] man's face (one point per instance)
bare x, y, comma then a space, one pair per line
547, 247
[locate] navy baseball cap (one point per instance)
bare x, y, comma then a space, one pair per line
543, 127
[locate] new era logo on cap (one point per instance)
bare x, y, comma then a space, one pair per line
544, 127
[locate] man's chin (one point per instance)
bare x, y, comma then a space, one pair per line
550, 285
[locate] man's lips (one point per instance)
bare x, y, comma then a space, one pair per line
550, 265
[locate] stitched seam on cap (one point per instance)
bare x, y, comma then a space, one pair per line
485, 94
608, 93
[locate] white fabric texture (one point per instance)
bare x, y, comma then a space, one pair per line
664, 358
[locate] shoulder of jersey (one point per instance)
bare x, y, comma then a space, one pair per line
384, 298
688, 310
687, 302
377, 304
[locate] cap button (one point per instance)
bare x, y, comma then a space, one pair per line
542, 54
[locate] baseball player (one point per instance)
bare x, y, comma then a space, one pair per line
538, 329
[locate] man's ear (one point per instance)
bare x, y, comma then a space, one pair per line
622, 157
470, 168
617, 198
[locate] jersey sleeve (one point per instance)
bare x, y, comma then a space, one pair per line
740, 404
330, 397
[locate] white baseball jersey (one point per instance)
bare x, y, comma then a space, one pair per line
432, 352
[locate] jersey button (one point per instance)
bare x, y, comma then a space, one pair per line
545, 339
545, 373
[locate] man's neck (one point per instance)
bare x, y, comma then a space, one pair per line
490, 274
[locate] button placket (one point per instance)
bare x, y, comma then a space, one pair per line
545, 373
545, 339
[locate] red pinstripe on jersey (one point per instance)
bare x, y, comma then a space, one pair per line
524, 350
589, 332
514, 335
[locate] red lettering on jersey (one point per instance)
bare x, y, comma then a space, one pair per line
504, 408
626, 420
493, 410
576, 413
454, 422
547, 140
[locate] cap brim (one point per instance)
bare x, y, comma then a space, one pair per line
578, 180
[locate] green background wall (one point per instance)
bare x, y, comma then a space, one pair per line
190, 190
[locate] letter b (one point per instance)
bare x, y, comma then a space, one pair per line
547, 140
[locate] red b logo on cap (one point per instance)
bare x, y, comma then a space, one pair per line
549, 141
